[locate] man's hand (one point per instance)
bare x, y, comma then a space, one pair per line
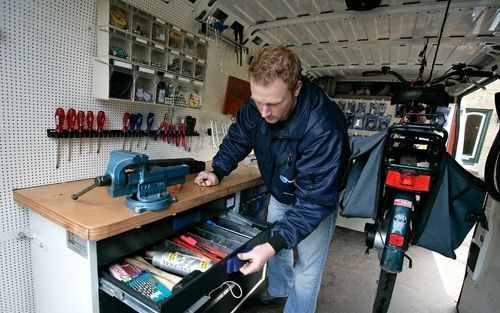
256, 258
206, 179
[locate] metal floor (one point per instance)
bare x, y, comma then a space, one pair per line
349, 281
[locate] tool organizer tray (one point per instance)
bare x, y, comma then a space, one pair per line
205, 292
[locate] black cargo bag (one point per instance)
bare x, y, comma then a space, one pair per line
360, 196
454, 205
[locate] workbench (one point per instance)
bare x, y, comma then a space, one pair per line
65, 234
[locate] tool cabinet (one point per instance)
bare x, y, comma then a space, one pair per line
194, 288
74, 241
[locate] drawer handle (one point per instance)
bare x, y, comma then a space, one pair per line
186, 280
233, 264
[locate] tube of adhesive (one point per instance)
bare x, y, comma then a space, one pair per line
178, 263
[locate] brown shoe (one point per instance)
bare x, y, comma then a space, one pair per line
266, 299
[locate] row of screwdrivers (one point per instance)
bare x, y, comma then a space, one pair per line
180, 134
77, 122
80, 124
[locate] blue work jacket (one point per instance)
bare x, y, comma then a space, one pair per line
301, 160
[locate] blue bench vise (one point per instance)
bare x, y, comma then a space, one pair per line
129, 174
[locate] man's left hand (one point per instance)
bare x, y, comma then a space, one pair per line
256, 258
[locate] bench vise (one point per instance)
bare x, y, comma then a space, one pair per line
129, 174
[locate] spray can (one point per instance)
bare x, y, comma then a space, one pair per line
178, 263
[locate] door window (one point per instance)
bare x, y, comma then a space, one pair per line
476, 125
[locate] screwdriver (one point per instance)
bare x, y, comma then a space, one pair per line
133, 125
59, 119
126, 124
149, 125
101, 119
90, 124
80, 121
71, 116
139, 126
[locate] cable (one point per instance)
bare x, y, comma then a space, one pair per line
229, 284
439, 40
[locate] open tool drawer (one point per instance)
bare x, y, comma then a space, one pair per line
210, 291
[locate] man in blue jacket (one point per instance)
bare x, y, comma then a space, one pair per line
299, 137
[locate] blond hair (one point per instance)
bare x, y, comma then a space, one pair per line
272, 62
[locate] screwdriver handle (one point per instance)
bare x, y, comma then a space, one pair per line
59, 119
126, 122
133, 128
126, 125
133, 122
90, 121
149, 124
150, 121
71, 116
71, 120
138, 122
139, 126
80, 121
90, 125
101, 119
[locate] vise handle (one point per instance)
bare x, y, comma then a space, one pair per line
104, 180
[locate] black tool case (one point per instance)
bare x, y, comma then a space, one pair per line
204, 292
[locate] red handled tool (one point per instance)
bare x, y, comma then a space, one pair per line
171, 134
90, 124
71, 117
80, 121
126, 124
101, 119
59, 119
180, 139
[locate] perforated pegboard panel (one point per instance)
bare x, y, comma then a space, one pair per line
47, 49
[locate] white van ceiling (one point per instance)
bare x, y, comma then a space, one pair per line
336, 42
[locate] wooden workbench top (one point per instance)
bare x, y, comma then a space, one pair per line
96, 215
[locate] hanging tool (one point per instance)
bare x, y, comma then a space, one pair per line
212, 134
149, 125
59, 119
216, 133
90, 125
171, 134
126, 125
180, 138
101, 119
163, 129
190, 124
80, 121
71, 117
133, 128
238, 41
139, 126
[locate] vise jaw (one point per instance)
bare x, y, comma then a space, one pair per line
145, 186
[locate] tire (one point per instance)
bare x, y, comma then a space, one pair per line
385, 288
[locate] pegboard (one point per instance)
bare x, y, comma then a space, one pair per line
47, 50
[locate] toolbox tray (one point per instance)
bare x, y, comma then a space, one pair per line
192, 296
